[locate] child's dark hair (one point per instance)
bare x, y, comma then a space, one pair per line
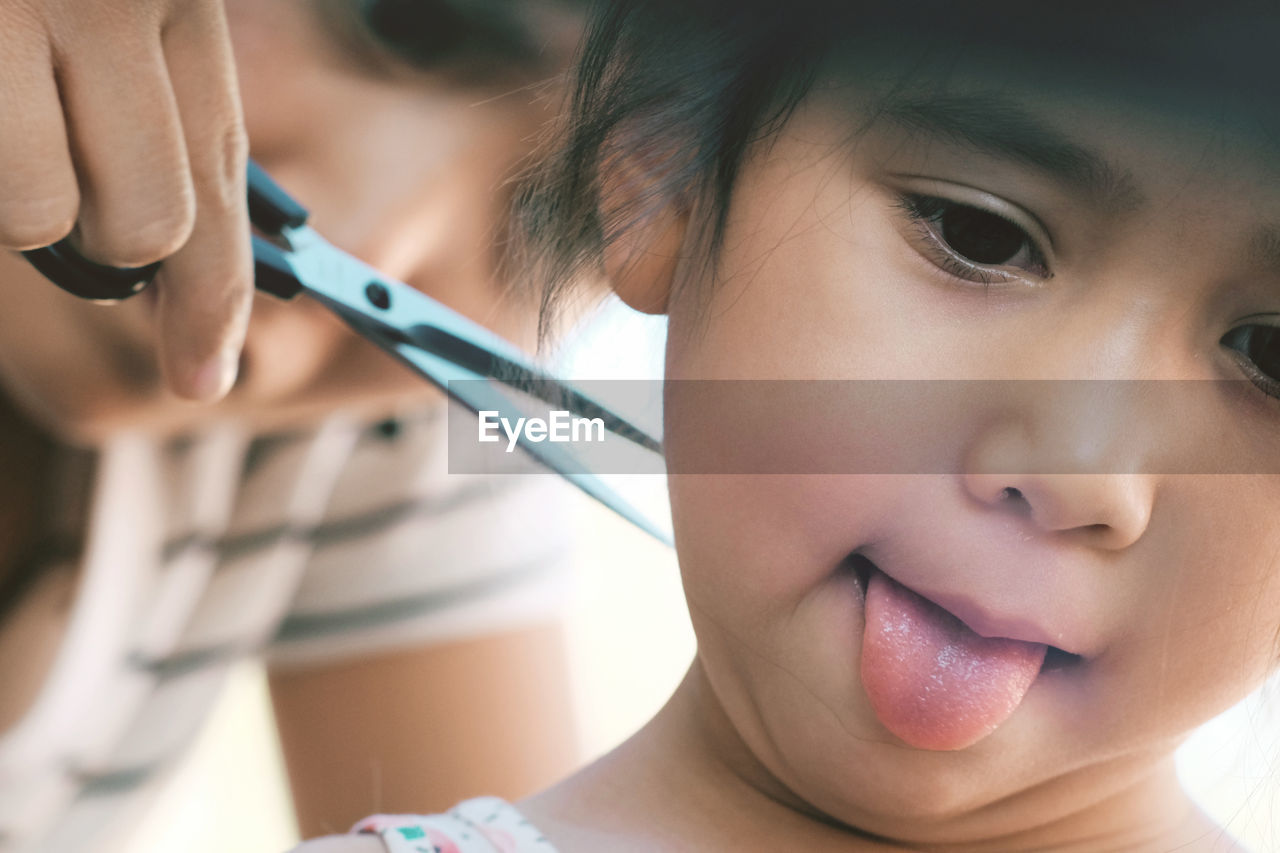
677, 92
673, 93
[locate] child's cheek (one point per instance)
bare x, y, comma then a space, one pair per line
1194, 607
752, 546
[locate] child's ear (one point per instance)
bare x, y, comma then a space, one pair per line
641, 262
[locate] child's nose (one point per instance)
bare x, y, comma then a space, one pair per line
1107, 509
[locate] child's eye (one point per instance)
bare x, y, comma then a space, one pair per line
972, 243
1260, 345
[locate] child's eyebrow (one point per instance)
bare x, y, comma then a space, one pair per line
1001, 127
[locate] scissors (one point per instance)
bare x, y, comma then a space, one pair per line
438, 343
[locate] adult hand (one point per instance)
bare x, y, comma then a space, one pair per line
120, 124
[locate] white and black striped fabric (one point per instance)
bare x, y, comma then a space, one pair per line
307, 548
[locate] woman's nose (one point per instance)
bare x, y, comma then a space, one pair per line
1088, 496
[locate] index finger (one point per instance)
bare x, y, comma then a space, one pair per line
206, 287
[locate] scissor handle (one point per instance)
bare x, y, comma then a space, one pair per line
271, 210
76, 274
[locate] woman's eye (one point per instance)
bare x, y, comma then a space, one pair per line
972, 243
1260, 345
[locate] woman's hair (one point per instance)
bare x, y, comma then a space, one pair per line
670, 96
473, 42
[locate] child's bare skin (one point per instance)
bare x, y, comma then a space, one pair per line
1163, 585
977, 227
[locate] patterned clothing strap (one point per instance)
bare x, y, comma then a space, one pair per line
481, 825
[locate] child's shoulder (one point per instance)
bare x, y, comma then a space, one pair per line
481, 825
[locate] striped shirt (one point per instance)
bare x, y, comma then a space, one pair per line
307, 548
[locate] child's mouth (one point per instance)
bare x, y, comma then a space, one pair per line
933, 681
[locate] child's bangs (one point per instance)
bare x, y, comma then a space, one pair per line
1211, 60
679, 92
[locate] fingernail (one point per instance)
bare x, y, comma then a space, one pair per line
216, 377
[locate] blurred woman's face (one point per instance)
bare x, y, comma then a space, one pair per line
403, 169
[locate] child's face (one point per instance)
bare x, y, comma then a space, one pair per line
839, 264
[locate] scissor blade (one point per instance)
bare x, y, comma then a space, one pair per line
393, 313
561, 458
449, 349
375, 303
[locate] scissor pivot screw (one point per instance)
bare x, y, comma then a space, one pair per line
378, 295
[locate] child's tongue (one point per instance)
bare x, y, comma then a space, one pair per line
932, 681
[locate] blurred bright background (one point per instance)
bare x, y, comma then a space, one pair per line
629, 643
